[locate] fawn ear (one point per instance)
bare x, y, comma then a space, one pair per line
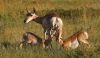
34, 10
28, 11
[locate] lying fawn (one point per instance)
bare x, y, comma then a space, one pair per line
32, 39
73, 41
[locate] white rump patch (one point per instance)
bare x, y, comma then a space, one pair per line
86, 34
29, 19
56, 22
74, 44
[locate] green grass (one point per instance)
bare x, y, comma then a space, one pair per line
76, 14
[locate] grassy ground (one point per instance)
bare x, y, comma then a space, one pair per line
76, 14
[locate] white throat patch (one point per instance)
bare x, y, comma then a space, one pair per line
74, 44
29, 19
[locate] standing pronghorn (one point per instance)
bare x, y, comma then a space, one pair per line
73, 41
32, 39
51, 24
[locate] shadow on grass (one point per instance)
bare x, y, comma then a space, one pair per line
5, 44
8, 45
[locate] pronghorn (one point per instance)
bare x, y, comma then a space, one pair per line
73, 41
32, 39
51, 24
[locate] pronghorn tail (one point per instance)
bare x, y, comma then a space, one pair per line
86, 34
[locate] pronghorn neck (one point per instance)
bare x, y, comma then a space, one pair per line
38, 19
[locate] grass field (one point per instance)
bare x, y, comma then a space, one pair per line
76, 14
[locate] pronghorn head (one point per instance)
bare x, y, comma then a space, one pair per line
30, 16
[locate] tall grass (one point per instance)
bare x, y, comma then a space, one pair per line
76, 14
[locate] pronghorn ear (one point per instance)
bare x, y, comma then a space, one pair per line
34, 10
28, 11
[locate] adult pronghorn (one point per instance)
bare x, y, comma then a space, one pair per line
51, 24
32, 39
73, 41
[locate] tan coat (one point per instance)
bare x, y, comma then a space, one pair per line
32, 39
73, 41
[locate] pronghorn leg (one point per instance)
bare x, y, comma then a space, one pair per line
85, 42
54, 32
49, 40
59, 34
43, 45
49, 43
58, 37
45, 33
43, 41
49, 34
21, 44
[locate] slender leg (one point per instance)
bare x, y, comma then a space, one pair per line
85, 42
59, 34
21, 45
43, 43
45, 33
43, 40
58, 37
54, 32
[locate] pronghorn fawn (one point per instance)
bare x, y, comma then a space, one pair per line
73, 41
51, 23
33, 40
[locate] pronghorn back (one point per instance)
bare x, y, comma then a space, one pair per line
82, 35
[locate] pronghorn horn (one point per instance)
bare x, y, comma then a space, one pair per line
34, 10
